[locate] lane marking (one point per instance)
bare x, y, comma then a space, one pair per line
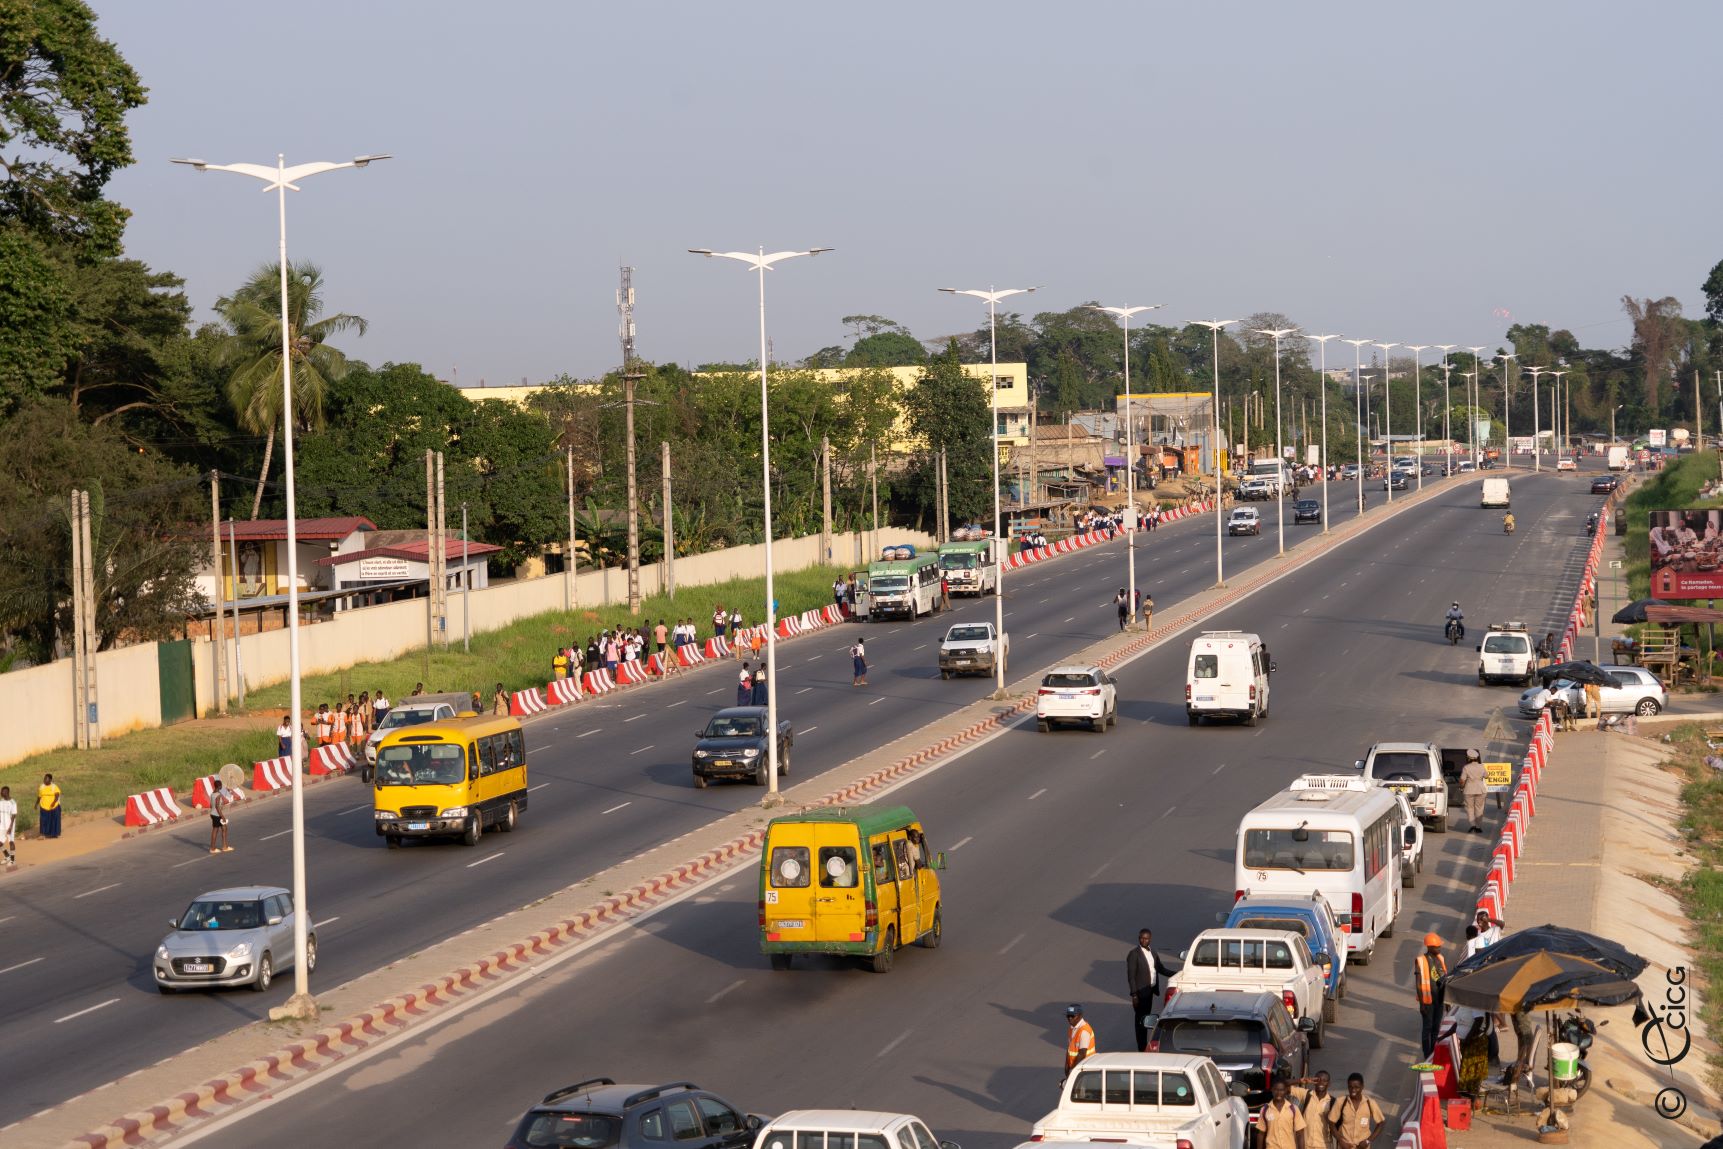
1038, 793
678, 702
642, 750
636, 717
1099, 870
201, 857
1073, 618
1219, 768
804, 690
1037, 634
540, 786
923, 646
810, 730
595, 730
97, 890
893, 1044
720, 690
733, 985
354, 810
325, 921
961, 844
811, 657
277, 834
82, 1012
1012, 942
20, 965
614, 809
482, 861
876, 702
1097, 754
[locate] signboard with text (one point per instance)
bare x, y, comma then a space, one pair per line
1686, 554
1499, 776
1657, 437
379, 569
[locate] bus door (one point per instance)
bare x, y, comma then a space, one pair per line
887, 896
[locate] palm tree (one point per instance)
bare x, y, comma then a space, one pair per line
253, 350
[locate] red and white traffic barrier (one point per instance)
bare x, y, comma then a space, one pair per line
152, 807
688, 654
273, 774
598, 682
834, 614
203, 787
811, 620
335, 758
526, 702
717, 648
631, 673
562, 691
788, 628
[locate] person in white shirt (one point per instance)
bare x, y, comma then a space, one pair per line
1489, 933
8, 827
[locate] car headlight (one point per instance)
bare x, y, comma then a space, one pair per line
701, 754
162, 953
751, 752
455, 812
240, 952
385, 815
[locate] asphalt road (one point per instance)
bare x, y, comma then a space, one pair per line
1060, 846
610, 779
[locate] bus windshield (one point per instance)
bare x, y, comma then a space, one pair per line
425, 764
1280, 850
961, 561
886, 584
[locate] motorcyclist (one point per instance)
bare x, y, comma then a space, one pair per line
1455, 618
1508, 522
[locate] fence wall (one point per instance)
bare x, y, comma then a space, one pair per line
36, 704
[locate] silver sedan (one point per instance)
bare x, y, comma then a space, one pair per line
232, 937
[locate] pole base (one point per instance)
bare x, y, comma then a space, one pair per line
299, 1007
772, 801
1000, 696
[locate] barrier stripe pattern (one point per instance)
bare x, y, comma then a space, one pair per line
152, 807
273, 774
562, 691
200, 791
525, 702
336, 758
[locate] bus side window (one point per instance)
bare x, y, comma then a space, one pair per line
517, 748
472, 762
488, 755
881, 861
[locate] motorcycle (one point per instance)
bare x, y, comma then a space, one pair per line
1454, 631
1591, 523
1579, 1030
1508, 525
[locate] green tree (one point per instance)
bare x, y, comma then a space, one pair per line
897, 348
125, 320
1713, 289
949, 409
253, 316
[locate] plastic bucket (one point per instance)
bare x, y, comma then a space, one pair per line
1564, 1058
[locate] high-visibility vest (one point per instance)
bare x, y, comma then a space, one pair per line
1081, 1043
1430, 975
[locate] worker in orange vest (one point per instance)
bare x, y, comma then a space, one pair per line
1429, 972
1080, 1042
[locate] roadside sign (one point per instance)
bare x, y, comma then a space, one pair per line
1499, 776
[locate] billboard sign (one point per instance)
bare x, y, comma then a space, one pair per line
1686, 554
1657, 437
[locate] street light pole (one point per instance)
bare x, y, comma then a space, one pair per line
1322, 375
1507, 410
1473, 394
1537, 453
1279, 447
1565, 432
1358, 409
280, 179
1214, 326
1447, 411
1125, 314
760, 263
1388, 416
992, 298
1417, 350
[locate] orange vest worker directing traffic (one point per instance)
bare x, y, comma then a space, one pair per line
1080, 1041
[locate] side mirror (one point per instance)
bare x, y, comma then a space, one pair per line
1358, 764
1320, 957
1184, 955
1479, 649
753, 1123
939, 860
949, 1145
1411, 836
1307, 1025
274, 921
173, 923
1238, 1089
1221, 918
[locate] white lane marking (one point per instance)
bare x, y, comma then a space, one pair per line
923, 646
1038, 602
678, 702
7, 918
720, 690
20, 965
482, 861
733, 985
1099, 870
876, 702
635, 718
354, 810
804, 690
1073, 618
1097, 754
809, 730
1219, 768
614, 809
1037, 634
811, 657
277, 834
201, 857
540, 786
97, 890
961, 844
1007, 947
893, 1044
1038, 793
325, 921
642, 750
82, 1012
1168, 810
590, 733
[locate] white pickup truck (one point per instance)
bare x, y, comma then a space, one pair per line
1161, 1100
971, 647
1415, 770
1256, 961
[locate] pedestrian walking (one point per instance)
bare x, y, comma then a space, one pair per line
1429, 971
1123, 602
337, 726
1144, 970
48, 808
744, 686
1148, 608
758, 641
858, 658
284, 738
719, 618
735, 623
1357, 1118
8, 828
661, 635
379, 709
1545, 649
1079, 1038
219, 800
759, 693
1594, 703
499, 700
1280, 1124
1473, 786
356, 715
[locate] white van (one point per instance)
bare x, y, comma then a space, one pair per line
847, 1129
1227, 677
1494, 494
1335, 834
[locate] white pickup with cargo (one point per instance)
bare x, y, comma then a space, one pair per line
1415, 770
1160, 1100
1256, 961
1495, 493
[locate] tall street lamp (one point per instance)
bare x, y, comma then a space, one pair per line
1472, 395
1358, 406
1388, 414
1279, 447
1537, 453
1565, 413
1125, 314
1507, 409
1322, 376
1447, 409
992, 297
1417, 350
281, 179
760, 263
1618, 407
1214, 326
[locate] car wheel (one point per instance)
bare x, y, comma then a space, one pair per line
1420, 862
1481, 680
784, 762
1439, 825
507, 825
1388, 930
310, 953
1318, 1035
393, 841
944, 675
881, 962
1408, 878
1113, 717
265, 973
1330, 1008
1647, 706
780, 961
1097, 725
1043, 725
760, 778
164, 990
699, 781
474, 830
1193, 717
935, 934
1362, 957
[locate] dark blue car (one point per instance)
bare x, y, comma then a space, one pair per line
1306, 914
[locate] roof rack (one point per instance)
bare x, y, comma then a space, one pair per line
577, 1087
1507, 626
634, 1099
1330, 782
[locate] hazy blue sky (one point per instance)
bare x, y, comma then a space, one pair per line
1406, 172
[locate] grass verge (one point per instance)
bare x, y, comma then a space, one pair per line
518, 656
1702, 889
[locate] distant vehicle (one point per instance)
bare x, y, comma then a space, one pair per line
806, 1128
1617, 458
1258, 489
1604, 484
1394, 482
1495, 493
1636, 691
1566, 465
1244, 521
413, 710
1349, 471
1157, 1099
600, 1114
1414, 769
1085, 694
1250, 1037
1307, 511
1465, 466
238, 936
1310, 916
733, 745
972, 648
970, 567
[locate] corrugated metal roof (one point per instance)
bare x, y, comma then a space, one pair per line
307, 530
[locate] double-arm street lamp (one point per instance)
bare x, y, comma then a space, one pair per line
1214, 326
1125, 313
281, 179
992, 296
1388, 416
1417, 350
1537, 453
1561, 420
760, 263
1322, 381
1447, 408
1474, 392
1507, 410
1358, 405
1279, 448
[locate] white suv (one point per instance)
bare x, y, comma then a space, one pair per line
1506, 655
1244, 521
1085, 694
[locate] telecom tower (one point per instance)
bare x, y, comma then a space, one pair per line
625, 308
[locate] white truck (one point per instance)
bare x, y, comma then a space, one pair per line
1415, 770
1495, 493
1160, 1100
1254, 961
1618, 458
971, 648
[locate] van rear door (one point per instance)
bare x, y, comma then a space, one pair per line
838, 903
788, 898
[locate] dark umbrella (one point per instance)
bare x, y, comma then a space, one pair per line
1548, 967
1580, 672
1633, 611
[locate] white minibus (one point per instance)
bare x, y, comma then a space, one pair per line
1331, 834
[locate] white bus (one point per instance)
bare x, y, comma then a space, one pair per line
904, 588
1332, 834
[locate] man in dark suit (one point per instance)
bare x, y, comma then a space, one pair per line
1145, 975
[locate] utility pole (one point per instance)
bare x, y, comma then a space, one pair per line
1698, 416
944, 500
90, 645
466, 589
80, 719
442, 557
85, 721
238, 658
873, 474
430, 558
568, 584
669, 527
629, 379
825, 499
218, 634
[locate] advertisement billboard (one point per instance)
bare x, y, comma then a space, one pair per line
1657, 437
1686, 554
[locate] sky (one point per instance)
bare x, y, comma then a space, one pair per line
1415, 173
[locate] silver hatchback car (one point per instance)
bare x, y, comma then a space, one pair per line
232, 937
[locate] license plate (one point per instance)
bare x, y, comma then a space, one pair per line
1205, 698
418, 825
788, 924
1063, 695
198, 967
720, 761
961, 661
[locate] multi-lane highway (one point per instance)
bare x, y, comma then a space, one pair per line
610, 777
1060, 847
